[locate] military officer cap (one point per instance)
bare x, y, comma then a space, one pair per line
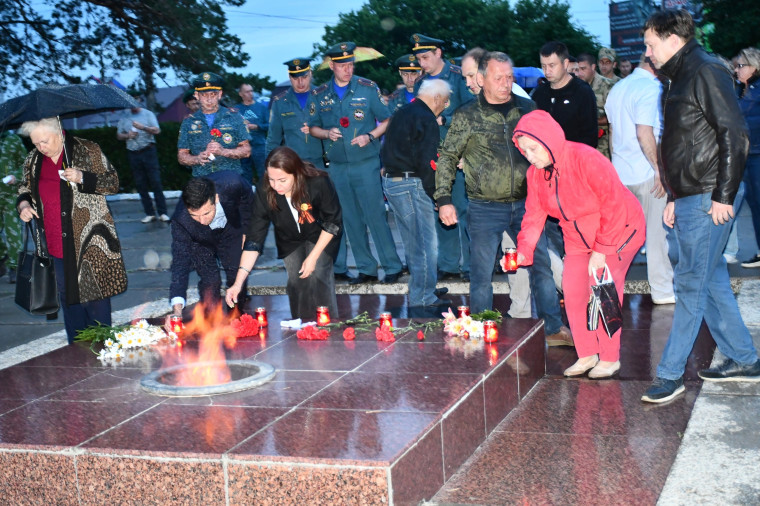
608, 53
422, 43
298, 66
408, 63
342, 52
208, 81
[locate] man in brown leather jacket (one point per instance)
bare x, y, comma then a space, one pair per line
704, 149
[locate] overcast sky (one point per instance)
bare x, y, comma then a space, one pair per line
277, 31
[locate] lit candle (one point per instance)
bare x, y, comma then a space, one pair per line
323, 316
386, 321
510, 260
261, 316
463, 311
490, 332
175, 323
493, 354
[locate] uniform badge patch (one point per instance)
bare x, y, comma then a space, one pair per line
227, 138
312, 109
206, 77
359, 114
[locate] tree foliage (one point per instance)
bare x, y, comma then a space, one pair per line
386, 25
734, 25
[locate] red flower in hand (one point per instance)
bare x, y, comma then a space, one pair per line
344, 122
310, 333
420, 335
433, 165
349, 334
215, 132
245, 326
384, 335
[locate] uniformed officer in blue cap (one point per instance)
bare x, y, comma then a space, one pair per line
409, 69
214, 138
453, 241
349, 115
288, 125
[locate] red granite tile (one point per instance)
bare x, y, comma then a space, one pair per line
569, 406
250, 483
37, 478
425, 458
123, 480
528, 468
531, 363
30, 383
76, 355
336, 436
187, 429
334, 354
10, 405
394, 392
116, 384
463, 428
58, 424
429, 358
500, 387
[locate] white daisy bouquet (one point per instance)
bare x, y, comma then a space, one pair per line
127, 343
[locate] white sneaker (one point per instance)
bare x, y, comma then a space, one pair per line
730, 259
666, 300
148, 219
164, 217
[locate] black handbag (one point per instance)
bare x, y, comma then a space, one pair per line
36, 289
605, 304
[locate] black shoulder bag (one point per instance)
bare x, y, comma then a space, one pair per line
36, 290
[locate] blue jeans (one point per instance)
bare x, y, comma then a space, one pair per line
752, 191
415, 216
703, 290
145, 170
487, 222
454, 241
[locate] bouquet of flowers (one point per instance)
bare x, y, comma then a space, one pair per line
127, 342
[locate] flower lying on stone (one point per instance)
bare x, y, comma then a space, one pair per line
310, 333
384, 334
245, 326
349, 334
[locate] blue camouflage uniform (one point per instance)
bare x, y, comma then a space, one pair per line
285, 121
453, 241
195, 134
355, 171
258, 114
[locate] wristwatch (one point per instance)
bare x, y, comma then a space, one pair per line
371, 137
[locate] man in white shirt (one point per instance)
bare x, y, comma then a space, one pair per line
633, 111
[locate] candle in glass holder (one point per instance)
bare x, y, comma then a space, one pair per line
261, 316
323, 316
386, 321
463, 311
490, 332
175, 324
510, 260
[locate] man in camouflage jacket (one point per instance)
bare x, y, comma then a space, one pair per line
494, 170
12, 155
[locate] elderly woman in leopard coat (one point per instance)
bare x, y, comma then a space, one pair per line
64, 187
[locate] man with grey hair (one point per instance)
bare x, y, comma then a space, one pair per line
409, 154
494, 170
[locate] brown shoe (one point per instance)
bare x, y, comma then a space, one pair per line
561, 338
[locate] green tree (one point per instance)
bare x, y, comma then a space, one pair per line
386, 25
734, 25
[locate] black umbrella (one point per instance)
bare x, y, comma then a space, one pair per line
64, 102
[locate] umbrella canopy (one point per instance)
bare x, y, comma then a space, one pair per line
63, 101
360, 54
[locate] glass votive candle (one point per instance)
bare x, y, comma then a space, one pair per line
510, 260
490, 332
386, 321
261, 316
323, 316
463, 311
176, 325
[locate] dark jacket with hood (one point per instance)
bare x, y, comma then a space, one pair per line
704, 140
581, 189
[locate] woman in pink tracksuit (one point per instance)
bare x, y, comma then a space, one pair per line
602, 223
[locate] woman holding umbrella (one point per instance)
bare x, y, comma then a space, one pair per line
64, 186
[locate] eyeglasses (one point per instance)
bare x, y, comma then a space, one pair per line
741, 65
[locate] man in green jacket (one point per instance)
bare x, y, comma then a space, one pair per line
494, 170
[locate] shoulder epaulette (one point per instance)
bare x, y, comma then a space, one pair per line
456, 70
366, 82
320, 89
279, 96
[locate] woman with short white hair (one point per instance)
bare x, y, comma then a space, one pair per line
64, 186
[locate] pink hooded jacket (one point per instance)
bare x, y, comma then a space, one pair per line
595, 210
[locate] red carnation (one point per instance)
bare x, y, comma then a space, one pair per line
245, 326
344, 122
383, 334
420, 335
310, 333
433, 165
215, 132
349, 334
601, 133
